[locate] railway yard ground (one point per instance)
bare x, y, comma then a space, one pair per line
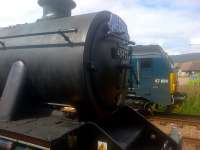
188, 127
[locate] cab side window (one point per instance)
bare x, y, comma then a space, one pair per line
146, 63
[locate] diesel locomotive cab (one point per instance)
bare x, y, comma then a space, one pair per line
152, 77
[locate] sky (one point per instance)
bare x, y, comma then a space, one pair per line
173, 24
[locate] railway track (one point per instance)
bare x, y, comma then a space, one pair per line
190, 144
188, 127
180, 120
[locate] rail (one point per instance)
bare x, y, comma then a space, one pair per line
177, 119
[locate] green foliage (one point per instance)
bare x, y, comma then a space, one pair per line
191, 106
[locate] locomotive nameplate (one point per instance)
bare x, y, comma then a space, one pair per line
122, 54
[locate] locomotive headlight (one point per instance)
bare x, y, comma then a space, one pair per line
172, 79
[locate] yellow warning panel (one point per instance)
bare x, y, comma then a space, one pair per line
102, 145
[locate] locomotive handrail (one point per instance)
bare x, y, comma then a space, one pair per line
61, 32
42, 46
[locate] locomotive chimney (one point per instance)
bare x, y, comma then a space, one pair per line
56, 8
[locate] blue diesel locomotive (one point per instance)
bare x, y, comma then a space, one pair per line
152, 79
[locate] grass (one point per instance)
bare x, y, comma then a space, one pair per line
191, 106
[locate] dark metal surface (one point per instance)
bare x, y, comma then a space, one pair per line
82, 72
135, 132
124, 130
41, 129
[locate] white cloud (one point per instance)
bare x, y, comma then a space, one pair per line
195, 41
195, 44
173, 29
152, 26
17, 12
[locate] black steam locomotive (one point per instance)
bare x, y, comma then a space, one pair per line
63, 80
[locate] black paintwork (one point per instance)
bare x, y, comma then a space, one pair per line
67, 66
86, 68
124, 130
